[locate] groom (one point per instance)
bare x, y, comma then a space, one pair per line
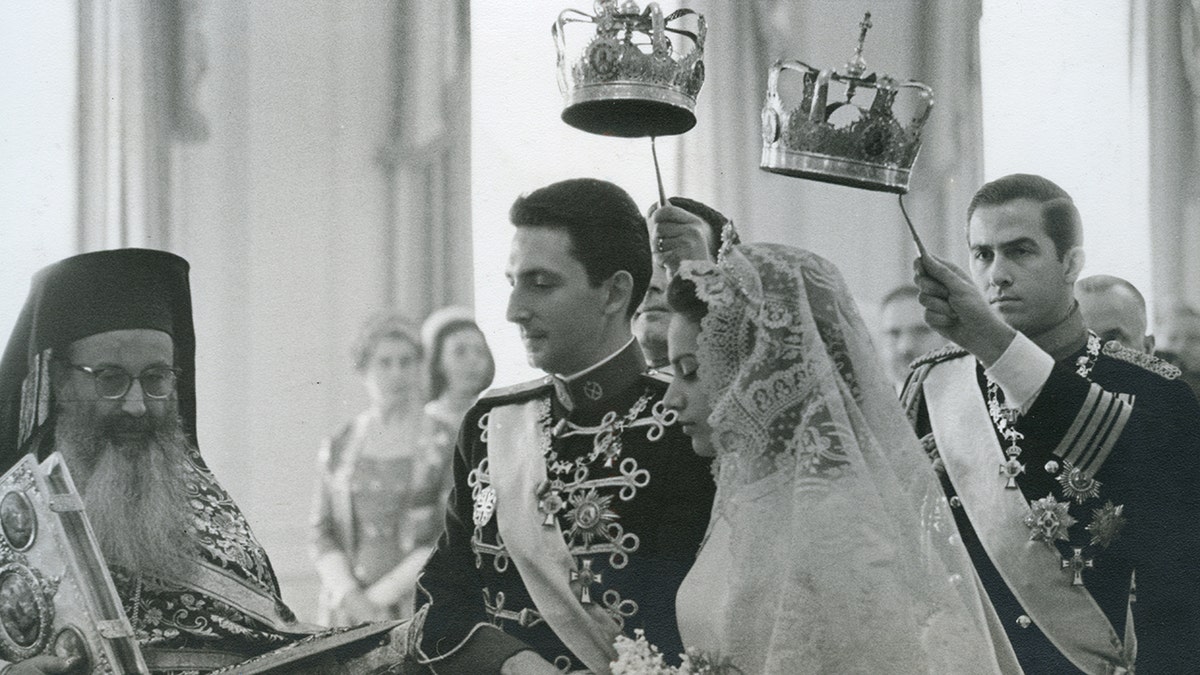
578, 505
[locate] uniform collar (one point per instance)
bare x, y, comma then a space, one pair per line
592, 386
1064, 339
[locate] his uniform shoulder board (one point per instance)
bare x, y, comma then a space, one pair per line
521, 390
657, 376
910, 394
936, 356
1141, 359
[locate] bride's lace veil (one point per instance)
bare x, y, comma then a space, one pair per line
843, 553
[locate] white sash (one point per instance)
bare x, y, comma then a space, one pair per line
1066, 614
517, 467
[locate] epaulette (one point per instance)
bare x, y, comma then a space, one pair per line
516, 389
1141, 359
658, 376
946, 353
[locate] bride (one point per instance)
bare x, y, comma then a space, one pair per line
831, 548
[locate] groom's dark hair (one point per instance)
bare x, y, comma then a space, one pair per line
608, 233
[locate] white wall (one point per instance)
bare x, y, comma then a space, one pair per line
37, 144
282, 213
1074, 115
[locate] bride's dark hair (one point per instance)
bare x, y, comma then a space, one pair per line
682, 297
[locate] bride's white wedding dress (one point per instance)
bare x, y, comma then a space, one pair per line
831, 548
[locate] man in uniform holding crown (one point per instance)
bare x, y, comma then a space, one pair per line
578, 506
1072, 466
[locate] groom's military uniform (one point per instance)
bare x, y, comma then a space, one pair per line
1085, 524
578, 507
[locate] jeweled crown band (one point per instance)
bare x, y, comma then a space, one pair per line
632, 79
840, 141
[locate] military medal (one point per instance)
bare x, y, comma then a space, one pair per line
1048, 520
485, 506
550, 501
1085, 363
1005, 419
1077, 484
590, 516
586, 577
1106, 524
1077, 563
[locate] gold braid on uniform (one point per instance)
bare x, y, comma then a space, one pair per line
1151, 363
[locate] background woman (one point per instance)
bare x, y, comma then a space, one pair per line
382, 482
831, 548
459, 365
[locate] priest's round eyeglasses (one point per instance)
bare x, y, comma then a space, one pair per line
114, 382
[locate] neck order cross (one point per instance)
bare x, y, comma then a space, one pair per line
1005, 418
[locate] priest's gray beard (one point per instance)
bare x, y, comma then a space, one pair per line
134, 489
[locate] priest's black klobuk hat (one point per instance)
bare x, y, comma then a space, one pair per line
86, 295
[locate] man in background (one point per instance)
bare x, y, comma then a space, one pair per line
696, 229
1114, 309
650, 322
1181, 343
905, 334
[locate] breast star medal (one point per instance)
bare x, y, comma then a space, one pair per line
1077, 484
1106, 524
589, 516
485, 506
1048, 520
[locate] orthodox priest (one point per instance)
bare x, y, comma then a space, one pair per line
578, 505
1072, 466
101, 368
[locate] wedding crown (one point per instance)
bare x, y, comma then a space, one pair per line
630, 79
843, 142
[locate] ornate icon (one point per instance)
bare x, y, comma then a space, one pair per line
26, 611
18, 521
69, 643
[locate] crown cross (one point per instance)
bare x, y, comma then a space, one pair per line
857, 65
550, 501
1010, 470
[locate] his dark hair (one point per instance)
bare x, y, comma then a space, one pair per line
715, 219
383, 326
1099, 283
608, 233
899, 293
1060, 218
682, 297
437, 378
